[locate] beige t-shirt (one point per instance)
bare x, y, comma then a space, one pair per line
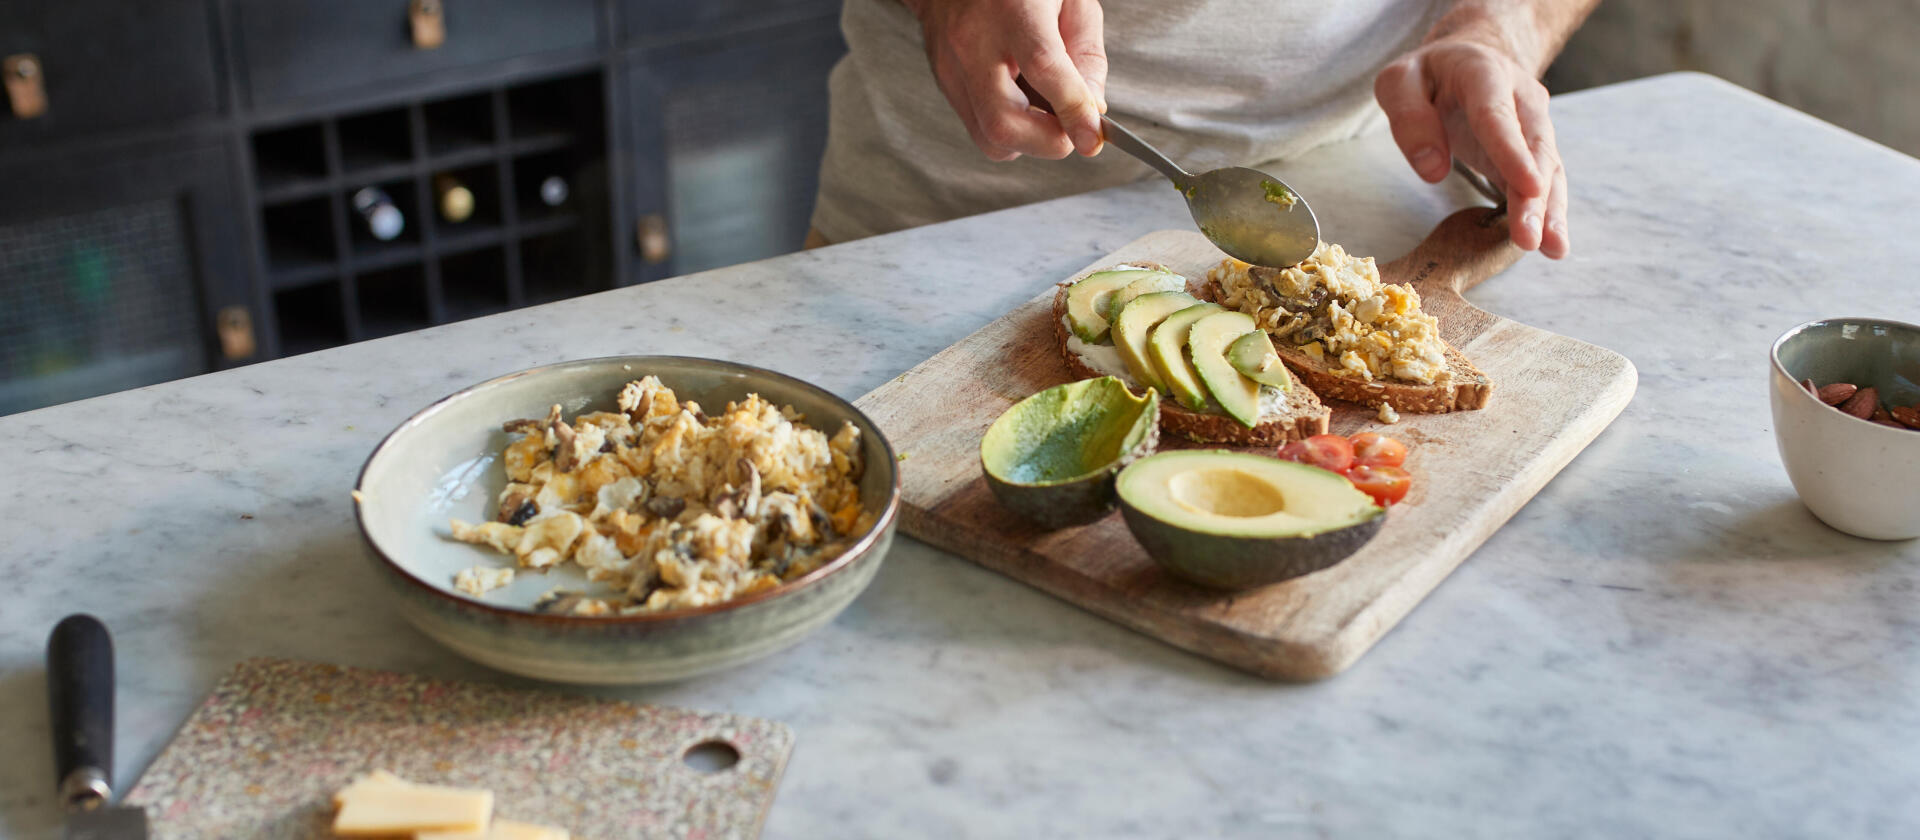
1210, 82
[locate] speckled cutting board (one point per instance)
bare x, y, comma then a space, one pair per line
1472, 470
264, 755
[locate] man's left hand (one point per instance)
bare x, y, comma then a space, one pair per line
1458, 97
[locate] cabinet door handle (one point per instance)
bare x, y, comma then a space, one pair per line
656, 242
429, 21
26, 85
234, 325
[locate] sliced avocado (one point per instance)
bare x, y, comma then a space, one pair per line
1052, 456
1137, 319
1253, 355
1167, 346
1207, 344
1234, 520
1154, 281
1087, 301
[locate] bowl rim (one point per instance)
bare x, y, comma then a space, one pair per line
1773, 356
807, 581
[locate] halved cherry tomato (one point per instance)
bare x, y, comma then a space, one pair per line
1385, 484
1328, 452
1377, 450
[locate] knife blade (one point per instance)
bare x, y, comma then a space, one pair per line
80, 703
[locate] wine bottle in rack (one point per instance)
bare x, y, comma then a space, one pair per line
453, 198
553, 191
381, 219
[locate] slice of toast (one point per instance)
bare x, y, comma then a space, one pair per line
1302, 417
1467, 389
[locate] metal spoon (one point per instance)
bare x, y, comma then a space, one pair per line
1253, 216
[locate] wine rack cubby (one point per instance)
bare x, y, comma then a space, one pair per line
384, 220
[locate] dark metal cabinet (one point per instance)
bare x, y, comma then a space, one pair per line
300, 50
727, 136
186, 201
102, 65
118, 272
654, 20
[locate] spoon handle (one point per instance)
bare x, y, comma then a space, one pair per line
1131, 143
1119, 136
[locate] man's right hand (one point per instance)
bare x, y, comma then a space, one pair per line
977, 47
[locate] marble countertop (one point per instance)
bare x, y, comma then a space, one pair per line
1663, 643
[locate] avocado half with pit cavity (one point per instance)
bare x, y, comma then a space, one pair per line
1051, 457
1232, 520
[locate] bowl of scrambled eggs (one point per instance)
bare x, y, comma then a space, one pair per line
628, 519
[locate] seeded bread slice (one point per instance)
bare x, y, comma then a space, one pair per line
1303, 416
1467, 390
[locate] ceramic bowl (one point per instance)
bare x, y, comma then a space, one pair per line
443, 462
1855, 475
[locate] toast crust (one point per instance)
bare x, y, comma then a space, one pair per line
1306, 416
1468, 390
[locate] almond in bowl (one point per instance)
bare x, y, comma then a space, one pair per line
1842, 390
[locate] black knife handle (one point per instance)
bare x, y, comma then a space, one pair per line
80, 704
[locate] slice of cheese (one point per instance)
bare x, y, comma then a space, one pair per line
375, 778
500, 830
384, 809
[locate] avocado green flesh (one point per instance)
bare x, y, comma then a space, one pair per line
1253, 355
1233, 520
1067, 432
1087, 301
1207, 344
1136, 321
1279, 194
1243, 495
1166, 347
1154, 281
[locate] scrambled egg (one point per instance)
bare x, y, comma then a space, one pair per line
480, 580
1334, 308
668, 506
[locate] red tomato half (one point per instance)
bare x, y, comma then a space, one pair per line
1377, 450
1328, 452
1385, 484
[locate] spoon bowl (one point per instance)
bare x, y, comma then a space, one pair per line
1252, 216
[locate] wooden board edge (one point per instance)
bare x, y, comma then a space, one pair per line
1357, 635
1205, 641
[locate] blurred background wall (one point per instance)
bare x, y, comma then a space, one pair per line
1855, 63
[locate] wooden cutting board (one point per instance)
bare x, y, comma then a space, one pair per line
1472, 470
264, 755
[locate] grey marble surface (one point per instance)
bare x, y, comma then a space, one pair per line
1663, 643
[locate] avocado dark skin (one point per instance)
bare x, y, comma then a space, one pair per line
1073, 503
1232, 563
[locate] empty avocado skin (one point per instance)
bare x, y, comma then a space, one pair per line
1051, 457
1220, 557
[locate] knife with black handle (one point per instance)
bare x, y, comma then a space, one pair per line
80, 706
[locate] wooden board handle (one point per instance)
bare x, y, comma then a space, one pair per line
1465, 249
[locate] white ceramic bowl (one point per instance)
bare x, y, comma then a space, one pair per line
1857, 476
443, 462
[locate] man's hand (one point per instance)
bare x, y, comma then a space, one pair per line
1472, 92
977, 47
